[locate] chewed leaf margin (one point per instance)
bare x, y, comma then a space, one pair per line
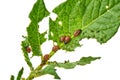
97, 19
37, 13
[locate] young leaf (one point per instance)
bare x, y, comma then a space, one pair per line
97, 19
12, 77
20, 74
24, 44
69, 65
50, 70
37, 14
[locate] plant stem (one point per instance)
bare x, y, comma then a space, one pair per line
35, 73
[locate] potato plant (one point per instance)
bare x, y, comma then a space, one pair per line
76, 20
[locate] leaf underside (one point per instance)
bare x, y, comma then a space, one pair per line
50, 69
69, 65
37, 13
98, 19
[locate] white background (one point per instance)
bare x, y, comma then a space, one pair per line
13, 22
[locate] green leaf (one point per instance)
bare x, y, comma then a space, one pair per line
37, 13
24, 44
66, 65
50, 70
42, 37
87, 60
69, 65
97, 19
33, 38
20, 74
12, 77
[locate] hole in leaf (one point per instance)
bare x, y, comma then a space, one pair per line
55, 43
43, 25
52, 34
60, 23
107, 7
53, 16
